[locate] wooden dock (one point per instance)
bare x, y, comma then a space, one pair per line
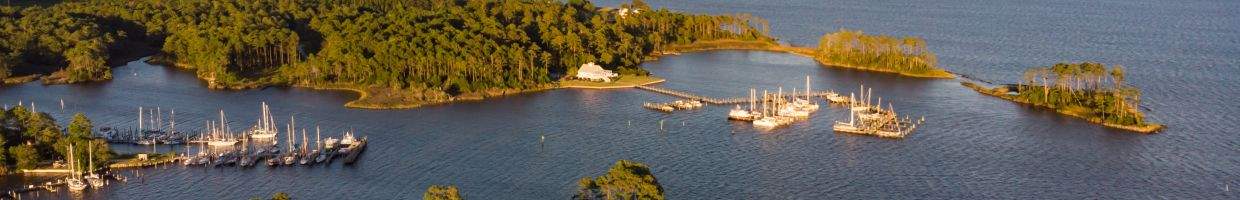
712, 100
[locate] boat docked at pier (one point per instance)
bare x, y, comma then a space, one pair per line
867, 119
750, 114
265, 128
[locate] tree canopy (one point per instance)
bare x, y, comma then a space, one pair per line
852, 48
625, 180
440, 46
1098, 90
30, 137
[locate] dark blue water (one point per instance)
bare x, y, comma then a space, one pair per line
1181, 53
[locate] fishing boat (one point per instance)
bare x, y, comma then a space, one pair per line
330, 143
355, 148
881, 123
346, 142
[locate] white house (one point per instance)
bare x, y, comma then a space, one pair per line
625, 12
593, 72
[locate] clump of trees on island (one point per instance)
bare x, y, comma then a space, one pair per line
435, 46
625, 180
441, 192
30, 139
855, 49
1099, 92
1088, 90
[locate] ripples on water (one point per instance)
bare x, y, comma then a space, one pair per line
971, 147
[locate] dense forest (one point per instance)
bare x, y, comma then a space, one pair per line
31, 138
71, 47
907, 55
439, 46
625, 180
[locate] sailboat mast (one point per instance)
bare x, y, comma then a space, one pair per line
159, 119
807, 93
303, 140
90, 157
316, 138
752, 99
72, 165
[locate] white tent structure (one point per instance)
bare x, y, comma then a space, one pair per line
593, 72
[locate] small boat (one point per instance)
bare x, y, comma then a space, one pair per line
740, 114
272, 162
766, 122
290, 159
95, 180
322, 157
330, 143
306, 159
356, 149
792, 112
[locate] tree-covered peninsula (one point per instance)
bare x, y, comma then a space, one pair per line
32, 139
907, 56
405, 53
1087, 90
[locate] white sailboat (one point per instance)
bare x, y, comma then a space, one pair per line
93, 179
222, 136
74, 182
265, 128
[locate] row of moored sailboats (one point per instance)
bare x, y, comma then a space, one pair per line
776, 109
219, 146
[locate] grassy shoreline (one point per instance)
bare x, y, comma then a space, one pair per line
624, 81
385, 98
1001, 93
773, 47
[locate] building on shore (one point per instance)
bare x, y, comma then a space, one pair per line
593, 72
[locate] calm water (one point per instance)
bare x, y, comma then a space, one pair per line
1180, 53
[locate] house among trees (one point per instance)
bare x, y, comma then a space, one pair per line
625, 12
593, 72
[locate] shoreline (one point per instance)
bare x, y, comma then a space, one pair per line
365, 96
1150, 128
808, 52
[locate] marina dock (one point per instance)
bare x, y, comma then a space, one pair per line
720, 101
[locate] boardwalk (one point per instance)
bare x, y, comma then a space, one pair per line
712, 100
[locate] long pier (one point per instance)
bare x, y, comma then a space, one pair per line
712, 100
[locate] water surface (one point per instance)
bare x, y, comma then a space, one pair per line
973, 146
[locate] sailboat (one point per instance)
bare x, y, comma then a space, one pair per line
291, 156
305, 154
221, 135
265, 128
767, 121
74, 182
322, 156
93, 179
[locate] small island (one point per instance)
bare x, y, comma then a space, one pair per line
1086, 90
